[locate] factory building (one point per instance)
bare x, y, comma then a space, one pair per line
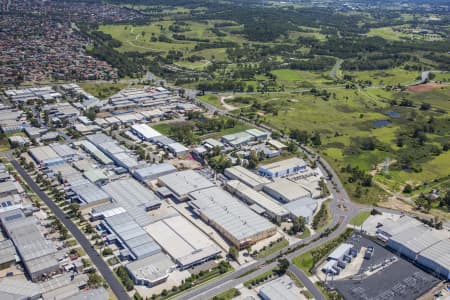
390, 228
180, 184
437, 258
285, 190
36, 253
305, 207
113, 150
187, 245
95, 152
64, 151
278, 289
246, 176
128, 235
177, 149
134, 197
7, 254
236, 222
413, 240
271, 209
145, 132
45, 156
88, 194
153, 171
283, 168
212, 143
150, 271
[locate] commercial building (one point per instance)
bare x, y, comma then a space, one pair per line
145, 132
12, 288
153, 171
236, 222
341, 252
283, 168
113, 150
134, 197
390, 228
150, 271
278, 289
246, 176
96, 153
413, 240
305, 207
9, 188
36, 253
238, 139
177, 149
45, 156
96, 176
437, 258
182, 183
258, 135
88, 194
64, 151
7, 254
127, 234
271, 209
212, 143
285, 190
187, 245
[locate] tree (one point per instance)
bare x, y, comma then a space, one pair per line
283, 265
298, 225
315, 139
407, 189
94, 280
233, 252
292, 147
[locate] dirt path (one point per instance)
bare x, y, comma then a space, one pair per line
226, 106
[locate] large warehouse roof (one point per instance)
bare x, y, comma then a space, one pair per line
286, 190
130, 193
132, 236
246, 176
439, 253
182, 240
418, 238
134, 197
184, 182
257, 197
89, 193
276, 290
145, 131
93, 150
43, 153
394, 227
229, 213
150, 172
152, 268
304, 207
284, 164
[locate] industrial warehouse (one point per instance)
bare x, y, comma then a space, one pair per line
237, 223
183, 241
182, 183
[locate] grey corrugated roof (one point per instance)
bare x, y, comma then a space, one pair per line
183, 182
439, 253
89, 193
229, 213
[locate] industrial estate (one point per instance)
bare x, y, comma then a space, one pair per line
126, 174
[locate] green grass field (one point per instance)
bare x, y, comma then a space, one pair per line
103, 90
388, 33
359, 219
386, 77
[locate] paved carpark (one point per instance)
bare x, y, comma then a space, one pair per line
400, 280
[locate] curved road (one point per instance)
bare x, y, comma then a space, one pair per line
105, 271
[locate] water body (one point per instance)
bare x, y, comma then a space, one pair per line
381, 123
393, 114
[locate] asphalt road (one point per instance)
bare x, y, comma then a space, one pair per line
112, 281
308, 284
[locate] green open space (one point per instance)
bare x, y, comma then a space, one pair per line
103, 90
359, 219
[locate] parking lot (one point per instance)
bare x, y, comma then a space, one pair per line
397, 280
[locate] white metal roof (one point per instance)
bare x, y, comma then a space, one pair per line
183, 182
145, 131
246, 176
